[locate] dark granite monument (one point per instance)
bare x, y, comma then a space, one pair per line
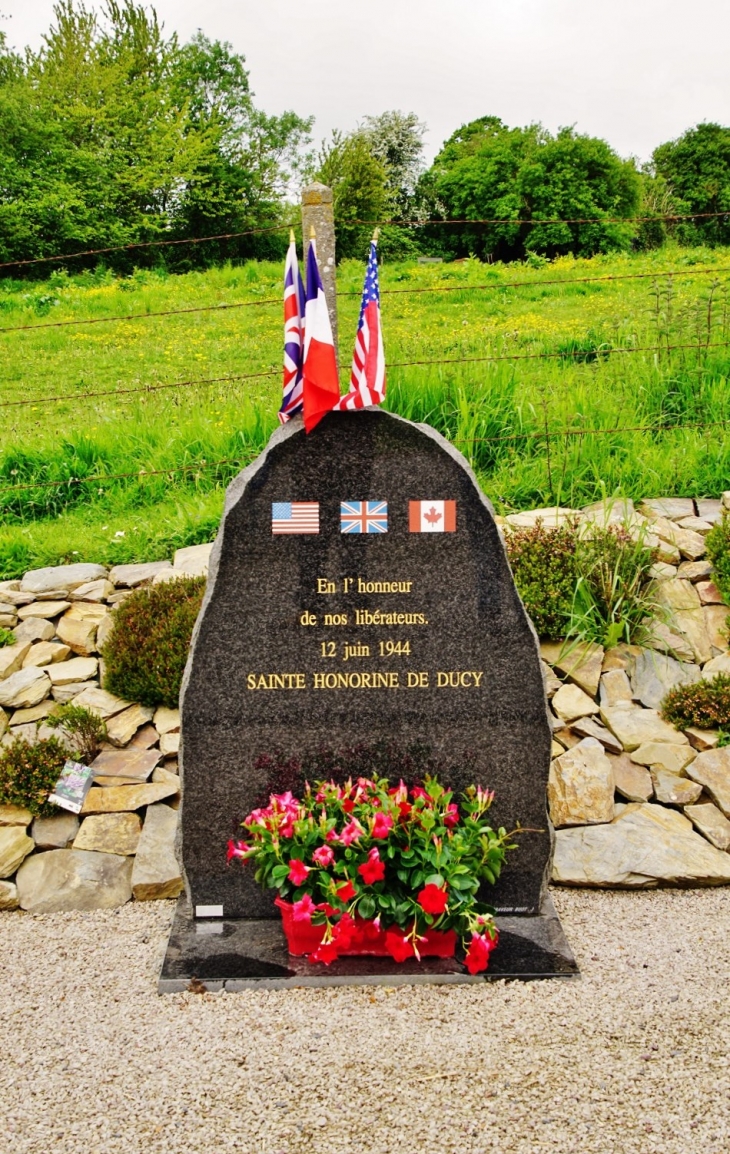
359, 598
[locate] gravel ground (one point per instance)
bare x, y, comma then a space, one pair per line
635, 1057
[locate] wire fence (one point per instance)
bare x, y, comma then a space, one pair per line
494, 286
169, 242
702, 344
203, 464
563, 354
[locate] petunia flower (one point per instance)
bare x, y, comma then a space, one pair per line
303, 909
451, 817
343, 931
432, 899
236, 849
382, 825
323, 856
353, 831
477, 956
372, 870
399, 792
398, 944
326, 953
297, 871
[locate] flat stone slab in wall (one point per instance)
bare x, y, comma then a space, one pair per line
646, 845
156, 873
71, 879
15, 845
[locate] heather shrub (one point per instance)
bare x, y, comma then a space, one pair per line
545, 570
85, 728
705, 704
594, 587
147, 649
28, 773
718, 552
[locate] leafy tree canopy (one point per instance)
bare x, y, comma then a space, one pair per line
114, 133
373, 173
696, 171
488, 171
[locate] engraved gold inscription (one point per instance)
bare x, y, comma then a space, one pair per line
459, 680
365, 617
326, 586
377, 679
276, 681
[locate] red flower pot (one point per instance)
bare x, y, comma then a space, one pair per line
304, 938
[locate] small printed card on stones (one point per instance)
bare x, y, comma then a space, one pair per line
72, 786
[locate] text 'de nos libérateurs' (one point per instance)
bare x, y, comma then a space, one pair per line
363, 655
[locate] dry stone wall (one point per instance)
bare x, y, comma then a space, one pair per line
121, 845
635, 802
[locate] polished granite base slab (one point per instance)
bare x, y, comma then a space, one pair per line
246, 953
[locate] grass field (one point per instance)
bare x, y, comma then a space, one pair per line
615, 421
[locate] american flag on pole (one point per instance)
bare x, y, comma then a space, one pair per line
292, 399
363, 516
367, 378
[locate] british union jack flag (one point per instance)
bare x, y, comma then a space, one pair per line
363, 516
292, 399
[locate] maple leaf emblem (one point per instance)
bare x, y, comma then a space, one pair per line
432, 516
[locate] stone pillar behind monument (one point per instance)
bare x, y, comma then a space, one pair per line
318, 214
316, 641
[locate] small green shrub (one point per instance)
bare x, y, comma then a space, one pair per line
612, 598
147, 649
28, 773
705, 704
718, 552
85, 728
545, 569
7, 637
593, 588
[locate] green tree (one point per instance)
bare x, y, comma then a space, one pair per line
396, 140
359, 183
252, 158
113, 134
534, 182
373, 173
696, 170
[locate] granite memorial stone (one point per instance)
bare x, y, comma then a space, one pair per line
359, 604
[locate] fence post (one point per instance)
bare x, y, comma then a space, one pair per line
318, 213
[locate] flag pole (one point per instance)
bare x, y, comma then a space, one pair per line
292, 238
376, 234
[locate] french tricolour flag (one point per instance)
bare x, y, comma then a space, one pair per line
321, 382
292, 399
367, 379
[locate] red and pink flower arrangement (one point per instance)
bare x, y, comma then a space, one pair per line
363, 868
